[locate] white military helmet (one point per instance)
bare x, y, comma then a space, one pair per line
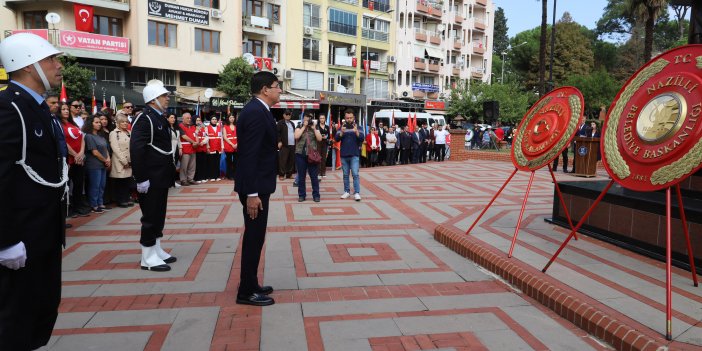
153, 89
23, 49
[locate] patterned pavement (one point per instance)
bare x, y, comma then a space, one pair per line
350, 275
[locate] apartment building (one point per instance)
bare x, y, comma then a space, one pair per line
442, 42
183, 43
340, 46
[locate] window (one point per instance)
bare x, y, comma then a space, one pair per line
253, 8
274, 13
399, 78
311, 15
331, 83
375, 88
375, 29
255, 47
107, 25
35, 20
274, 51
206, 40
143, 75
378, 5
162, 34
427, 80
342, 22
107, 73
310, 49
207, 3
307, 80
203, 80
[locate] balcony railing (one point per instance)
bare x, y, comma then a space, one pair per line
341, 60
352, 2
311, 55
342, 28
420, 34
373, 34
257, 22
377, 5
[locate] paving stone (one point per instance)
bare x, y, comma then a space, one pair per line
362, 306
141, 317
192, 329
503, 299
419, 278
73, 320
544, 328
83, 290
339, 281
283, 328
135, 341
353, 335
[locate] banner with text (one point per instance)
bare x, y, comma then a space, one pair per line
95, 42
179, 12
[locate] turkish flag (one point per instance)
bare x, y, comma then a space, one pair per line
370, 5
63, 97
84, 17
366, 67
268, 62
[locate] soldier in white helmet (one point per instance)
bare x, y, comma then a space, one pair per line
33, 177
153, 168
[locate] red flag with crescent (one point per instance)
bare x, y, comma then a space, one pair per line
64, 96
84, 17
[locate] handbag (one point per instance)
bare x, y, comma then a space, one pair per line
313, 156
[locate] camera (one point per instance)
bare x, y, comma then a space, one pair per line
348, 125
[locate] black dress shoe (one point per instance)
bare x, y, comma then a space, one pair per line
255, 299
300, 199
316, 199
159, 268
265, 290
170, 260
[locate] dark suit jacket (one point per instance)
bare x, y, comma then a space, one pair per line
415, 140
29, 212
147, 163
257, 150
405, 140
282, 131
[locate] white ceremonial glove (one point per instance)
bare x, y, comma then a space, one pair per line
14, 257
143, 187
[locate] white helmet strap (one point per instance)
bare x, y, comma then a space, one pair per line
41, 74
159, 105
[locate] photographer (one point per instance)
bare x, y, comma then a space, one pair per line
307, 138
351, 140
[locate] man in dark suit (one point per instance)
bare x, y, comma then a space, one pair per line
33, 179
382, 154
286, 144
416, 140
151, 154
423, 142
255, 181
405, 146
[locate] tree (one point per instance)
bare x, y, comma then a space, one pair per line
500, 40
646, 12
235, 79
615, 23
599, 89
542, 46
468, 100
76, 78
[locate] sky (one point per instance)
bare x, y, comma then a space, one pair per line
526, 14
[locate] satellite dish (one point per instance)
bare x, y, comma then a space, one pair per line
249, 58
208, 93
53, 17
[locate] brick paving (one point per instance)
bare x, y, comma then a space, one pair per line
366, 275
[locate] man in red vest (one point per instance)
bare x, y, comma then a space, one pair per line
189, 142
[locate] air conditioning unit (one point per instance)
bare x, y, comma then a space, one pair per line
216, 13
391, 76
288, 74
392, 59
308, 30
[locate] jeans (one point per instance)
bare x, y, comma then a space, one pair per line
351, 162
96, 186
302, 168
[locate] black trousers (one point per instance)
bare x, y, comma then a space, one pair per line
251, 246
153, 206
230, 158
286, 162
565, 161
423, 152
201, 166
213, 165
391, 157
77, 176
439, 152
29, 300
122, 189
404, 156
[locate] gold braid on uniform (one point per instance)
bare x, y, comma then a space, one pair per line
518, 153
611, 149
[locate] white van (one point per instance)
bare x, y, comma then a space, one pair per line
401, 117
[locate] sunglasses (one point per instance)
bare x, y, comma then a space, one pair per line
76, 106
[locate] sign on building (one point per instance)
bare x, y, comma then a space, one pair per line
179, 12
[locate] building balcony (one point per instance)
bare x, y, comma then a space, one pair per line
377, 6
458, 19
457, 44
477, 72
420, 35
434, 66
478, 48
341, 61
421, 7
419, 64
350, 2
435, 11
378, 66
374, 34
481, 2
479, 25
434, 38
257, 25
120, 5
456, 71
342, 28
83, 44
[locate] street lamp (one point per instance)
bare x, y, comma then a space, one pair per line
504, 53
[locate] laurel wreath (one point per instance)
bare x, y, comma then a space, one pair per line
522, 160
611, 149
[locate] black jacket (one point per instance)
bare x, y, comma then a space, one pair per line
29, 212
257, 150
405, 140
282, 131
147, 162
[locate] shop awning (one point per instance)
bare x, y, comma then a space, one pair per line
298, 105
435, 53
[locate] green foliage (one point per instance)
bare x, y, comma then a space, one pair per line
468, 101
599, 89
615, 23
76, 78
235, 79
500, 38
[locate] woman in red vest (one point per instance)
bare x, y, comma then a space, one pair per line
214, 149
230, 146
201, 170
